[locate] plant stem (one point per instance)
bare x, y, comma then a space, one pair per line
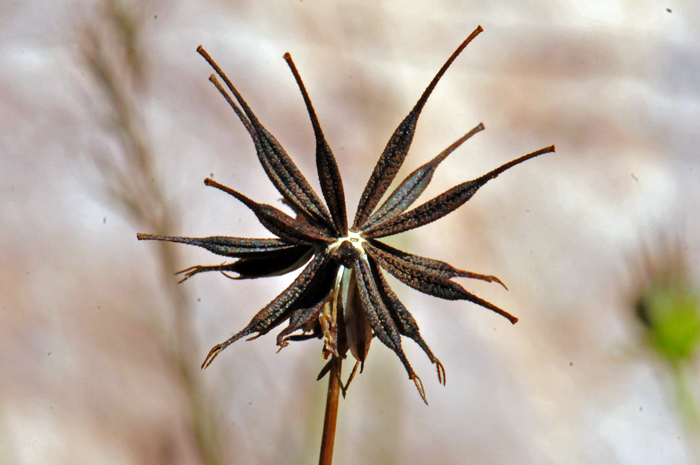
687, 406
331, 418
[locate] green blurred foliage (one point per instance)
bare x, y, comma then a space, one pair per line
667, 304
670, 313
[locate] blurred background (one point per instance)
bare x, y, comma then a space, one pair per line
109, 126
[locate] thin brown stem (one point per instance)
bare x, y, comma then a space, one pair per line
329, 422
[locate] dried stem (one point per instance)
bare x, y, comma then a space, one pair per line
331, 418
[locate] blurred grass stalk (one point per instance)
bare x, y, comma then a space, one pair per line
112, 52
667, 305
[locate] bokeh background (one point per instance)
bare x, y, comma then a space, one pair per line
108, 127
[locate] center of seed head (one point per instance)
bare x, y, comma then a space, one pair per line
353, 238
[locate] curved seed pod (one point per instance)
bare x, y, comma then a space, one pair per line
438, 268
278, 222
413, 186
405, 323
226, 245
396, 150
277, 311
328, 172
280, 169
382, 324
443, 204
430, 283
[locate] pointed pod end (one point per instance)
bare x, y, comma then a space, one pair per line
326, 368
503, 313
442, 376
231, 277
189, 272
205, 55
500, 282
419, 386
216, 350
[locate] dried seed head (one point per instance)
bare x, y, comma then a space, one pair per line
341, 295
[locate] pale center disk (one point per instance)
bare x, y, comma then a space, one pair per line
354, 238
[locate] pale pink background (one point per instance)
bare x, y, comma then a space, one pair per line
614, 84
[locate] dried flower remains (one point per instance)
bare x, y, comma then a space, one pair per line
341, 295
